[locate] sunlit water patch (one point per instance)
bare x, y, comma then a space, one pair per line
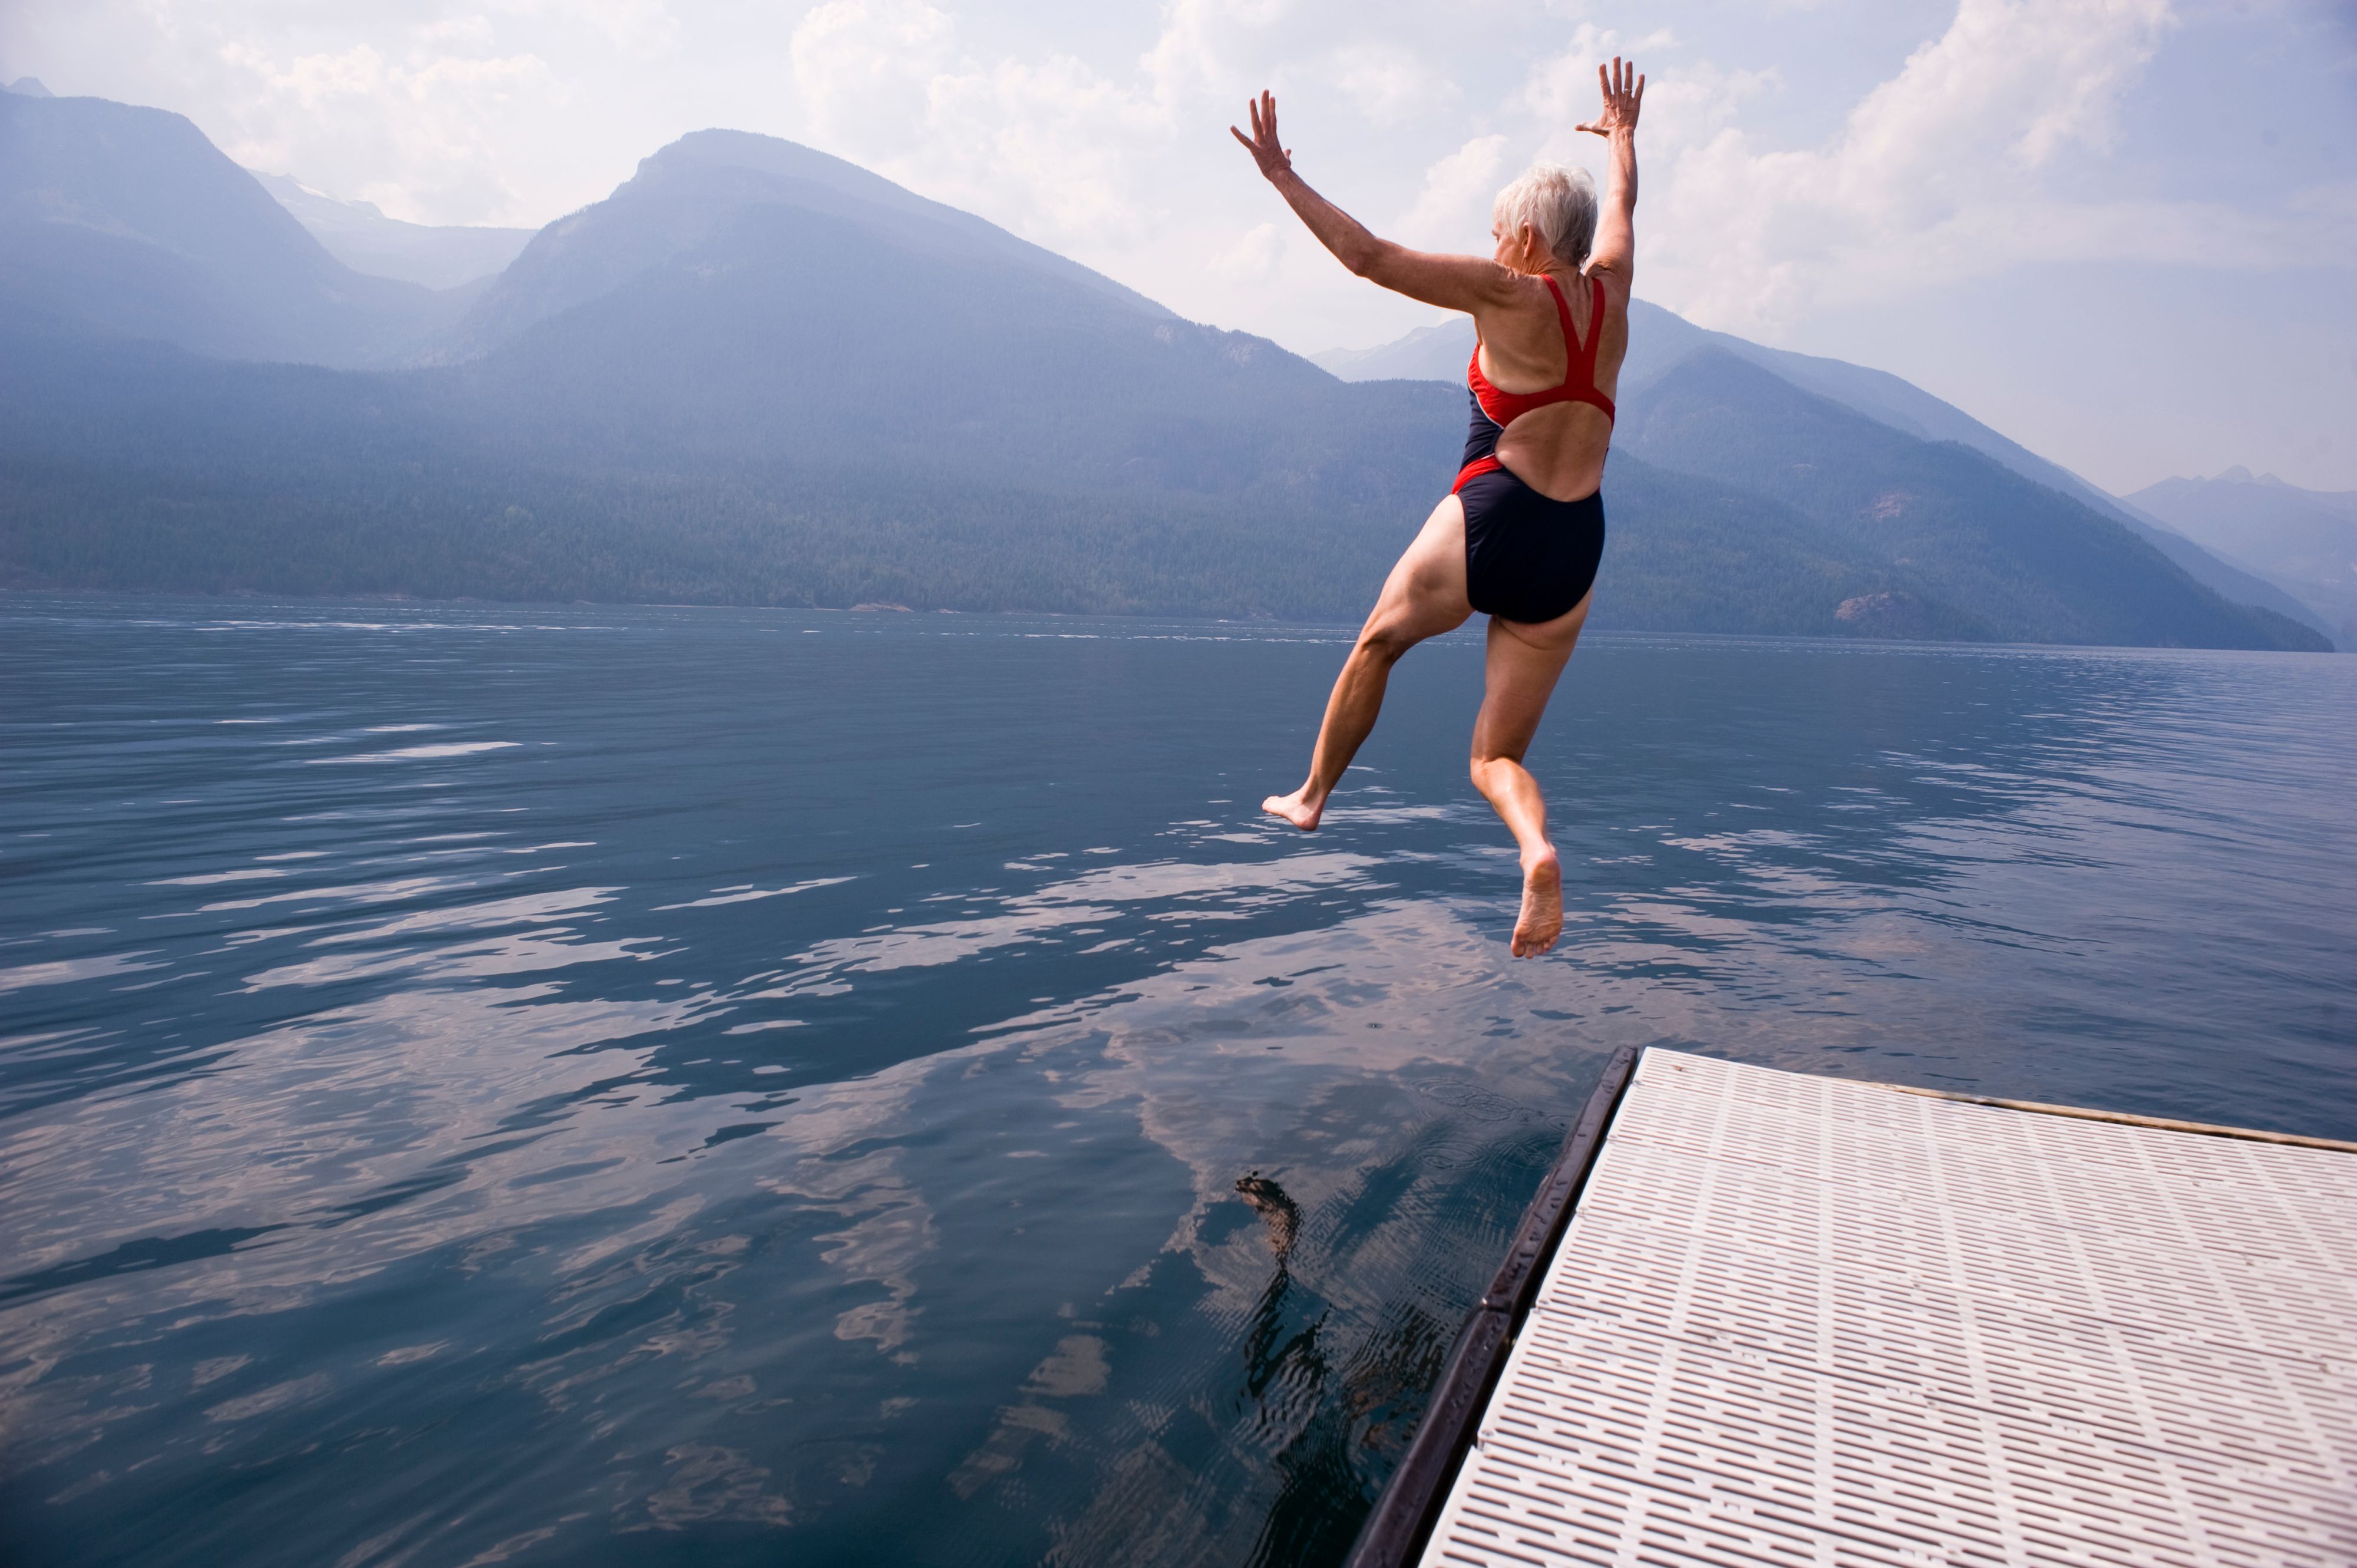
648, 1086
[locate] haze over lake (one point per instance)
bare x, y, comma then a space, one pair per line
637, 1085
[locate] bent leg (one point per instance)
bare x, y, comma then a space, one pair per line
1423, 597
1523, 664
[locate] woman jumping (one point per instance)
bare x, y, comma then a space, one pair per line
1519, 536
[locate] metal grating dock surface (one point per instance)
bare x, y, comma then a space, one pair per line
1802, 1321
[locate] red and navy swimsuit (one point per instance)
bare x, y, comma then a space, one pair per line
1529, 557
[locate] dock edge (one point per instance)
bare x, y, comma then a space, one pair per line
1395, 1532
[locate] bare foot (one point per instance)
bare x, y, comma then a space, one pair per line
1542, 918
1296, 809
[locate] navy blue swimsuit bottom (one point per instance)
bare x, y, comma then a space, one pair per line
1527, 556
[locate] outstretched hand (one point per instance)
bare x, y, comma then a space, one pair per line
1272, 157
1624, 94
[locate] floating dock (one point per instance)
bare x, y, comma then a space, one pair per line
1799, 1320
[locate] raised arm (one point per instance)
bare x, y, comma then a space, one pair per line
1615, 251
1453, 283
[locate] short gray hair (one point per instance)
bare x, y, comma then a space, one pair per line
1558, 203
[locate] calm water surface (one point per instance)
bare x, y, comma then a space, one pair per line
604, 1086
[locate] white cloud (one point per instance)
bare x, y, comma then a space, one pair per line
1561, 90
642, 26
1937, 173
1452, 211
1045, 146
1195, 54
423, 111
866, 68
1254, 257
1053, 148
1389, 83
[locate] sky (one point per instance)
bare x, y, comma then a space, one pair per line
2123, 233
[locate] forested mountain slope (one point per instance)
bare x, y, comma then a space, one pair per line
2024, 562
131, 465
139, 466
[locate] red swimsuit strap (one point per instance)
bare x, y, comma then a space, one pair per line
1578, 384
1580, 369
1571, 345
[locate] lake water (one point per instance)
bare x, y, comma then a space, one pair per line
649, 1086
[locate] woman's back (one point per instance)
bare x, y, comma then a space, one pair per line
1557, 448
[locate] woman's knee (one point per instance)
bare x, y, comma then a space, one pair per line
1387, 640
1487, 763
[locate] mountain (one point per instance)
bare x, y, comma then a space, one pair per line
1660, 340
683, 196
362, 237
754, 373
1434, 353
741, 301
2232, 583
2019, 561
128, 221
758, 374
2304, 540
1683, 552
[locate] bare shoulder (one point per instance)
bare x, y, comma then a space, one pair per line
1454, 283
1513, 294
1617, 290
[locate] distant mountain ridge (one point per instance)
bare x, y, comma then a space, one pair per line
2304, 540
756, 373
362, 237
122, 220
1434, 353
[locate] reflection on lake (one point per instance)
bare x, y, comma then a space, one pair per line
642, 1086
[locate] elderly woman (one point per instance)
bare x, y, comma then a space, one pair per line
1519, 536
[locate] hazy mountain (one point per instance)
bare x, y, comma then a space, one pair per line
124, 220
2305, 539
2025, 562
1434, 353
362, 237
2235, 584
759, 374
1668, 340
685, 195
732, 312
1660, 340
30, 87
